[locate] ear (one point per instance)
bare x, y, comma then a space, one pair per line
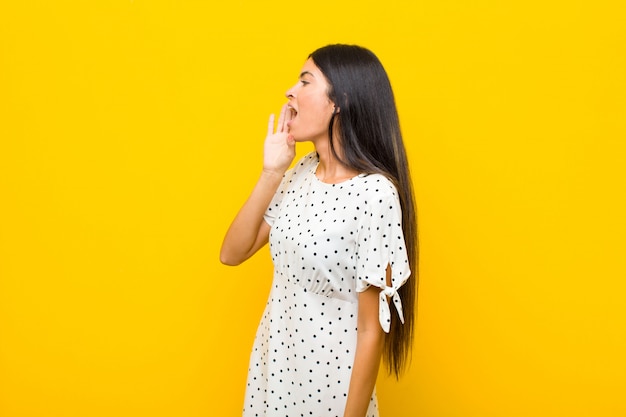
336, 109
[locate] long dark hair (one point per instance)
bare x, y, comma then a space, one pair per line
371, 142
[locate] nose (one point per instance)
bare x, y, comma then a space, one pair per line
291, 92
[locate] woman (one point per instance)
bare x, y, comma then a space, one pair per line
343, 238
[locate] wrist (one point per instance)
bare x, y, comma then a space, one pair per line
272, 173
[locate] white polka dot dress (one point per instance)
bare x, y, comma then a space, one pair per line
328, 242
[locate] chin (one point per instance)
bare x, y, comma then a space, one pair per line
297, 137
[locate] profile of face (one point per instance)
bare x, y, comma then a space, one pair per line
310, 105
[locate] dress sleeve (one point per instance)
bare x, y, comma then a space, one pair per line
272, 210
380, 244
293, 174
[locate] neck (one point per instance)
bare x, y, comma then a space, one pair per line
330, 169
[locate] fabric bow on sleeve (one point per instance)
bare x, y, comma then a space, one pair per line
384, 312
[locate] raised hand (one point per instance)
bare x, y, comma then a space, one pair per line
280, 147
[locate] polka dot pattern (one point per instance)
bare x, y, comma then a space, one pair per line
328, 242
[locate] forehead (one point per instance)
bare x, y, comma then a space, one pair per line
309, 68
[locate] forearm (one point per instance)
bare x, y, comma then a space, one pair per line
243, 238
369, 348
248, 232
364, 373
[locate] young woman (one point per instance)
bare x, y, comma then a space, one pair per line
342, 231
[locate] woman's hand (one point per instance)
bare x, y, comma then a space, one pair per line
280, 147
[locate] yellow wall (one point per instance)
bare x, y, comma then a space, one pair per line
131, 131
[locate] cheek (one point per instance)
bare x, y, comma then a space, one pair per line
322, 109
315, 111
318, 116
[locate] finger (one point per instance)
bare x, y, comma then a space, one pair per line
281, 119
288, 117
270, 125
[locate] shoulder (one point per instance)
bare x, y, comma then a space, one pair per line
379, 185
298, 173
303, 165
380, 195
306, 161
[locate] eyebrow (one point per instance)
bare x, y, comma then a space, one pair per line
303, 73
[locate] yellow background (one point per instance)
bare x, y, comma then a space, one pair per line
131, 132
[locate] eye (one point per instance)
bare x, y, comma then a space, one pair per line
304, 82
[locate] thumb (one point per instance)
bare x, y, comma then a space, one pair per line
291, 141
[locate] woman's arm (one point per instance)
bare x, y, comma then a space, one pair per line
369, 348
249, 232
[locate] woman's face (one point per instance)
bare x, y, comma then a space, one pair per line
310, 106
